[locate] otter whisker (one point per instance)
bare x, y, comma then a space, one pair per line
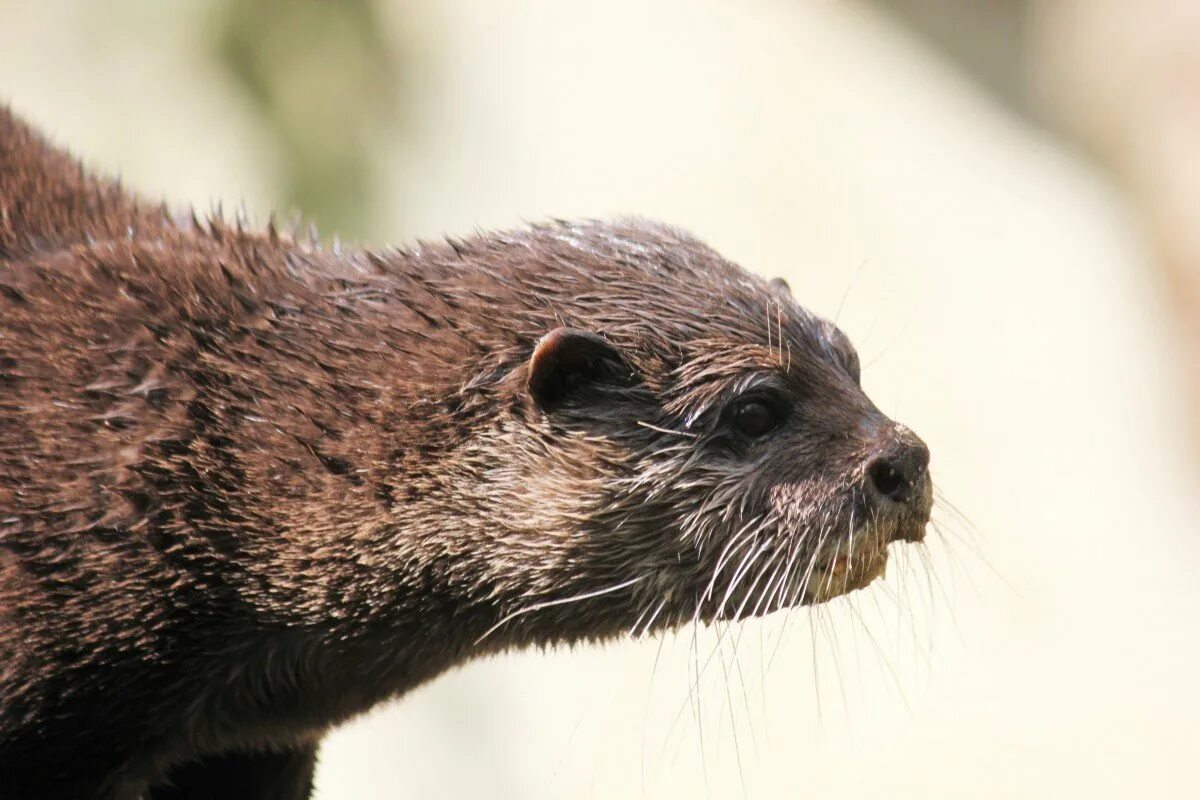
767, 313
943, 502
797, 584
645, 610
937, 582
696, 671
737, 749
927, 566
737, 664
737, 541
650, 622
695, 692
741, 573
945, 533
779, 326
966, 541
767, 593
762, 572
559, 602
826, 621
829, 574
968, 536
802, 588
897, 600
723, 631
692, 684
768, 574
816, 668
850, 543
788, 575
882, 656
668, 431
927, 650
646, 713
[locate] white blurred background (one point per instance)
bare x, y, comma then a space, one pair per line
1006, 296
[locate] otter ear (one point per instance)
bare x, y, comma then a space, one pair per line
568, 361
780, 287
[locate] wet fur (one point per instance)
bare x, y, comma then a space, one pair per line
250, 487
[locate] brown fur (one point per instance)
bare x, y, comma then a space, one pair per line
250, 487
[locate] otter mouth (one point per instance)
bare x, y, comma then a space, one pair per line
843, 573
841, 569
837, 569
839, 566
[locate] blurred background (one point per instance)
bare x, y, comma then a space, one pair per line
999, 202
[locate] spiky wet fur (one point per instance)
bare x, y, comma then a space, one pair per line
250, 486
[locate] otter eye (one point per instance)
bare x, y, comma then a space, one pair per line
754, 417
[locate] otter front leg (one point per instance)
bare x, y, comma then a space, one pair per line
282, 775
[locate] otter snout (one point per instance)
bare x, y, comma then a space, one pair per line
898, 482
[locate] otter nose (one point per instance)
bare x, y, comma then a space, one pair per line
898, 472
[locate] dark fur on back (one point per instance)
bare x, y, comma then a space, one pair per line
250, 487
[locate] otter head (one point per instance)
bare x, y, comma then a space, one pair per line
691, 444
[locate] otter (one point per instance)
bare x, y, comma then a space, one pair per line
251, 486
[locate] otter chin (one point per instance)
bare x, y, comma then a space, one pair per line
251, 487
